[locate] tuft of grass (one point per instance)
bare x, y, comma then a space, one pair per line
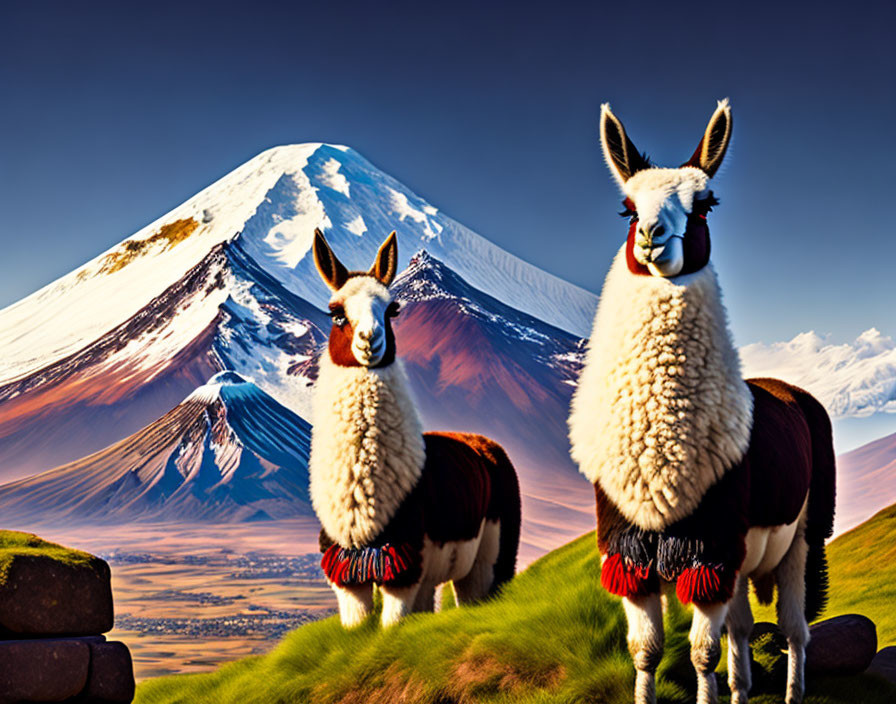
552, 635
15, 544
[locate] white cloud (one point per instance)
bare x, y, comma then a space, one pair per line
853, 379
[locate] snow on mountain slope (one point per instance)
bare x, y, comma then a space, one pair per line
852, 379
275, 200
228, 452
224, 313
72, 312
357, 205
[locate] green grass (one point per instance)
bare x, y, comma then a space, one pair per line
553, 635
14, 544
863, 573
862, 569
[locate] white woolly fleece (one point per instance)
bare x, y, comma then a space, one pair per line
661, 411
367, 449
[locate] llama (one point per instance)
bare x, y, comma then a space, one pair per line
701, 479
400, 508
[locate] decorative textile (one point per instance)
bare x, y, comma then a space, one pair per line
624, 578
380, 565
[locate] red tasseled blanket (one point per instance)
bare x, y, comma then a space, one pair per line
354, 566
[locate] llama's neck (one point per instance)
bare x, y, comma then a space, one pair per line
661, 411
367, 449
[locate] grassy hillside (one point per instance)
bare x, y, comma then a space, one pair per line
552, 636
863, 573
862, 568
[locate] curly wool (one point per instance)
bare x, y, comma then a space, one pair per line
367, 450
661, 411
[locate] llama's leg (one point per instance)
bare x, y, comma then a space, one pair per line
354, 603
426, 598
706, 648
791, 578
477, 583
645, 642
398, 602
740, 625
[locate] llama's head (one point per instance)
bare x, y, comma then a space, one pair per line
361, 306
668, 235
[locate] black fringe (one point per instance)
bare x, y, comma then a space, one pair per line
676, 554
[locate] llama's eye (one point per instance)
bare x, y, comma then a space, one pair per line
393, 310
629, 211
338, 316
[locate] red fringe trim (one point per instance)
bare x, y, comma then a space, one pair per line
353, 566
623, 579
705, 584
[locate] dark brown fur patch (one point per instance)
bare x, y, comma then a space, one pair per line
340, 345
466, 478
780, 454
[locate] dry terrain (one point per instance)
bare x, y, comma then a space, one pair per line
190, 597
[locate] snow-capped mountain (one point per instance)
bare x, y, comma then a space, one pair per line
224, 281
228, 452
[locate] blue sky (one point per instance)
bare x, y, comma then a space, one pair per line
112, 113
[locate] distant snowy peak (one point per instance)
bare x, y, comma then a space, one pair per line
427, 279
244, 415
228, 452
851, 379
212, 390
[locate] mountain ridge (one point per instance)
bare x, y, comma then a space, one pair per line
227, 452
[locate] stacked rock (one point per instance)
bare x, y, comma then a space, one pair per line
54, 605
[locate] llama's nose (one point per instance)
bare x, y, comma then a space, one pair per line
365, 334
646, 234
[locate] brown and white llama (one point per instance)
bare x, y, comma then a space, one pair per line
402, 509
702, 480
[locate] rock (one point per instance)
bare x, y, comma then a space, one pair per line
49, 590
884, 664
111, 674
844, 645
42, 670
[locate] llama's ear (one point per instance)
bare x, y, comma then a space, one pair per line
622, 157
329, 267
714, 144
386, 263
